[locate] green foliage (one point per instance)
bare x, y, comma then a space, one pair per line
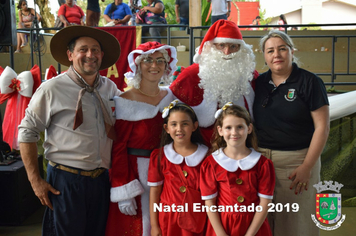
169, 9
205, 6
264, 20
311, 27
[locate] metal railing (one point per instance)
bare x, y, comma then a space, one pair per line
191, 36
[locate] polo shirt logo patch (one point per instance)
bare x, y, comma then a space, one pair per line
291, 96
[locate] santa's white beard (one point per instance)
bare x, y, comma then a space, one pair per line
225, 78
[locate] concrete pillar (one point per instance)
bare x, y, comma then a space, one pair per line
194, 13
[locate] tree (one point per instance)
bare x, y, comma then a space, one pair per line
45, 12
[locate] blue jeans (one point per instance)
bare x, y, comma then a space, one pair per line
183, 21
219, 17
154, 31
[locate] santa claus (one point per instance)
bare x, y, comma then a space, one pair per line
223, 71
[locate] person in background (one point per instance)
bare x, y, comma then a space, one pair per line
139, 124
182, 12
282, 21
118, 13
71, 14
93, 13
258, 19
154, 16
135, 6
223, 71
75, 112
26, 17
235, 174
220, 10
254, 22
181, 153
291, 111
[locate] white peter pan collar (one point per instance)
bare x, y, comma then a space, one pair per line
232, 165
191, 160
130, 110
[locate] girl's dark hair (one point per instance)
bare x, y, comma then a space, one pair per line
196, 137
20, 4
113, 8
238, 111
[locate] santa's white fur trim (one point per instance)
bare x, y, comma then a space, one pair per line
197, 56
142, 168
228, 40
126, 109
127, 191
133, 66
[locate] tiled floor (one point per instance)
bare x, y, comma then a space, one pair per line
32, 225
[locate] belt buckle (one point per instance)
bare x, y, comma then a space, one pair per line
96, 173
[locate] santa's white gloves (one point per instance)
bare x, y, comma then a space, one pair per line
128, 207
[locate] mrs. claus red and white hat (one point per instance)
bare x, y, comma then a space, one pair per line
150, 48
222, 31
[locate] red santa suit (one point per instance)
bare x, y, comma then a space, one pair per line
166, 173
237, 182
186, 87
138, 127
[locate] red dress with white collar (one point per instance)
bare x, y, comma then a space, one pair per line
166, 174
240, 182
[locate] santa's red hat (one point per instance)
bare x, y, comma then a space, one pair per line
150, 48
222, 31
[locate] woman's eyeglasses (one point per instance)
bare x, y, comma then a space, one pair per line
150, 61
266, 100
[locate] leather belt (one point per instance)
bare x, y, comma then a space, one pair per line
91, 173
139, 152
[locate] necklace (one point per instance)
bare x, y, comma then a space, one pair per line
149, 95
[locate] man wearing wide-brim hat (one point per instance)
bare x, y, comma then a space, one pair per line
74, 110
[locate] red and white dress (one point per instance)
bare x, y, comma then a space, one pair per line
138, 126
166, 173
240, 182
186, 89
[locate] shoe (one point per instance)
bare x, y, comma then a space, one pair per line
18, 51
23, 45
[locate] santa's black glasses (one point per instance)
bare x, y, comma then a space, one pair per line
266, 100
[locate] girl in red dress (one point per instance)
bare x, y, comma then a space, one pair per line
174, 171
236, 182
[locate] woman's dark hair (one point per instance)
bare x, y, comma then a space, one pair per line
238, 111
196, 137
113, 8
283, 18
19, 5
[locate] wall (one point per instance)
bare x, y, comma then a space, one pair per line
334, 12
242, 13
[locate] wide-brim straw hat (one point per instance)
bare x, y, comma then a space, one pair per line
109, 44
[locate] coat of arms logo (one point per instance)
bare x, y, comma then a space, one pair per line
328, 206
